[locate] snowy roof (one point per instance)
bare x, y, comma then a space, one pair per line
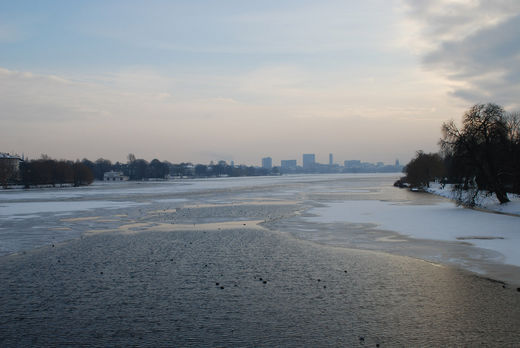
112, 173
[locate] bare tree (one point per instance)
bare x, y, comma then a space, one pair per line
480, 150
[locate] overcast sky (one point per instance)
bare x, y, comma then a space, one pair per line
240, 80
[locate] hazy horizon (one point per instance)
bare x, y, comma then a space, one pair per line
238, 81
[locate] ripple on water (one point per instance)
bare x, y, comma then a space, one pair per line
243, 287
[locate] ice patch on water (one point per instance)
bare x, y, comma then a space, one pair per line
444, 221
28, 209
20, 217
170, 200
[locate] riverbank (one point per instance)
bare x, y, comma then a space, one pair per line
428, 226
440, 232
483, 201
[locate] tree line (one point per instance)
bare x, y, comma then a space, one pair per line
140, 169
483, 155
50, 172
47, 171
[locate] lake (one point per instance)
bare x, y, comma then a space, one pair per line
242, 262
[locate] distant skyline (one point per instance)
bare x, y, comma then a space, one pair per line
238, 81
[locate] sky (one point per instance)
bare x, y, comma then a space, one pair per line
235, 80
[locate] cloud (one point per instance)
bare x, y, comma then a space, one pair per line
474, 44
28, 97
179, 116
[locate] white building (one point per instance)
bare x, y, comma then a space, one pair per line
114, 176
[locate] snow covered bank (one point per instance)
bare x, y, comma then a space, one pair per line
484, 202
443, 221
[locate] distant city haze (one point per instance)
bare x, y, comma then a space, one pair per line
203, 81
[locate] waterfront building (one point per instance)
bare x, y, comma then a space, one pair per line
114, 176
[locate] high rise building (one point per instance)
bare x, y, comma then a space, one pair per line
267, 163
288, 164
309, 160
331, 159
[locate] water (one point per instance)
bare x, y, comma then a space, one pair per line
32, 218
195, 268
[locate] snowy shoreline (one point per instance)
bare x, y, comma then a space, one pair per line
491, 232
483, 201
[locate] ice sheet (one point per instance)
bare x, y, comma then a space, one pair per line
443, 221
133, 188
28, 209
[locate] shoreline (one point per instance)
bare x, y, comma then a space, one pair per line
484, 202
436, 230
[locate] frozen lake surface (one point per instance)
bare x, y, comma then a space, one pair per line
33, 218
439, 221
319, 260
